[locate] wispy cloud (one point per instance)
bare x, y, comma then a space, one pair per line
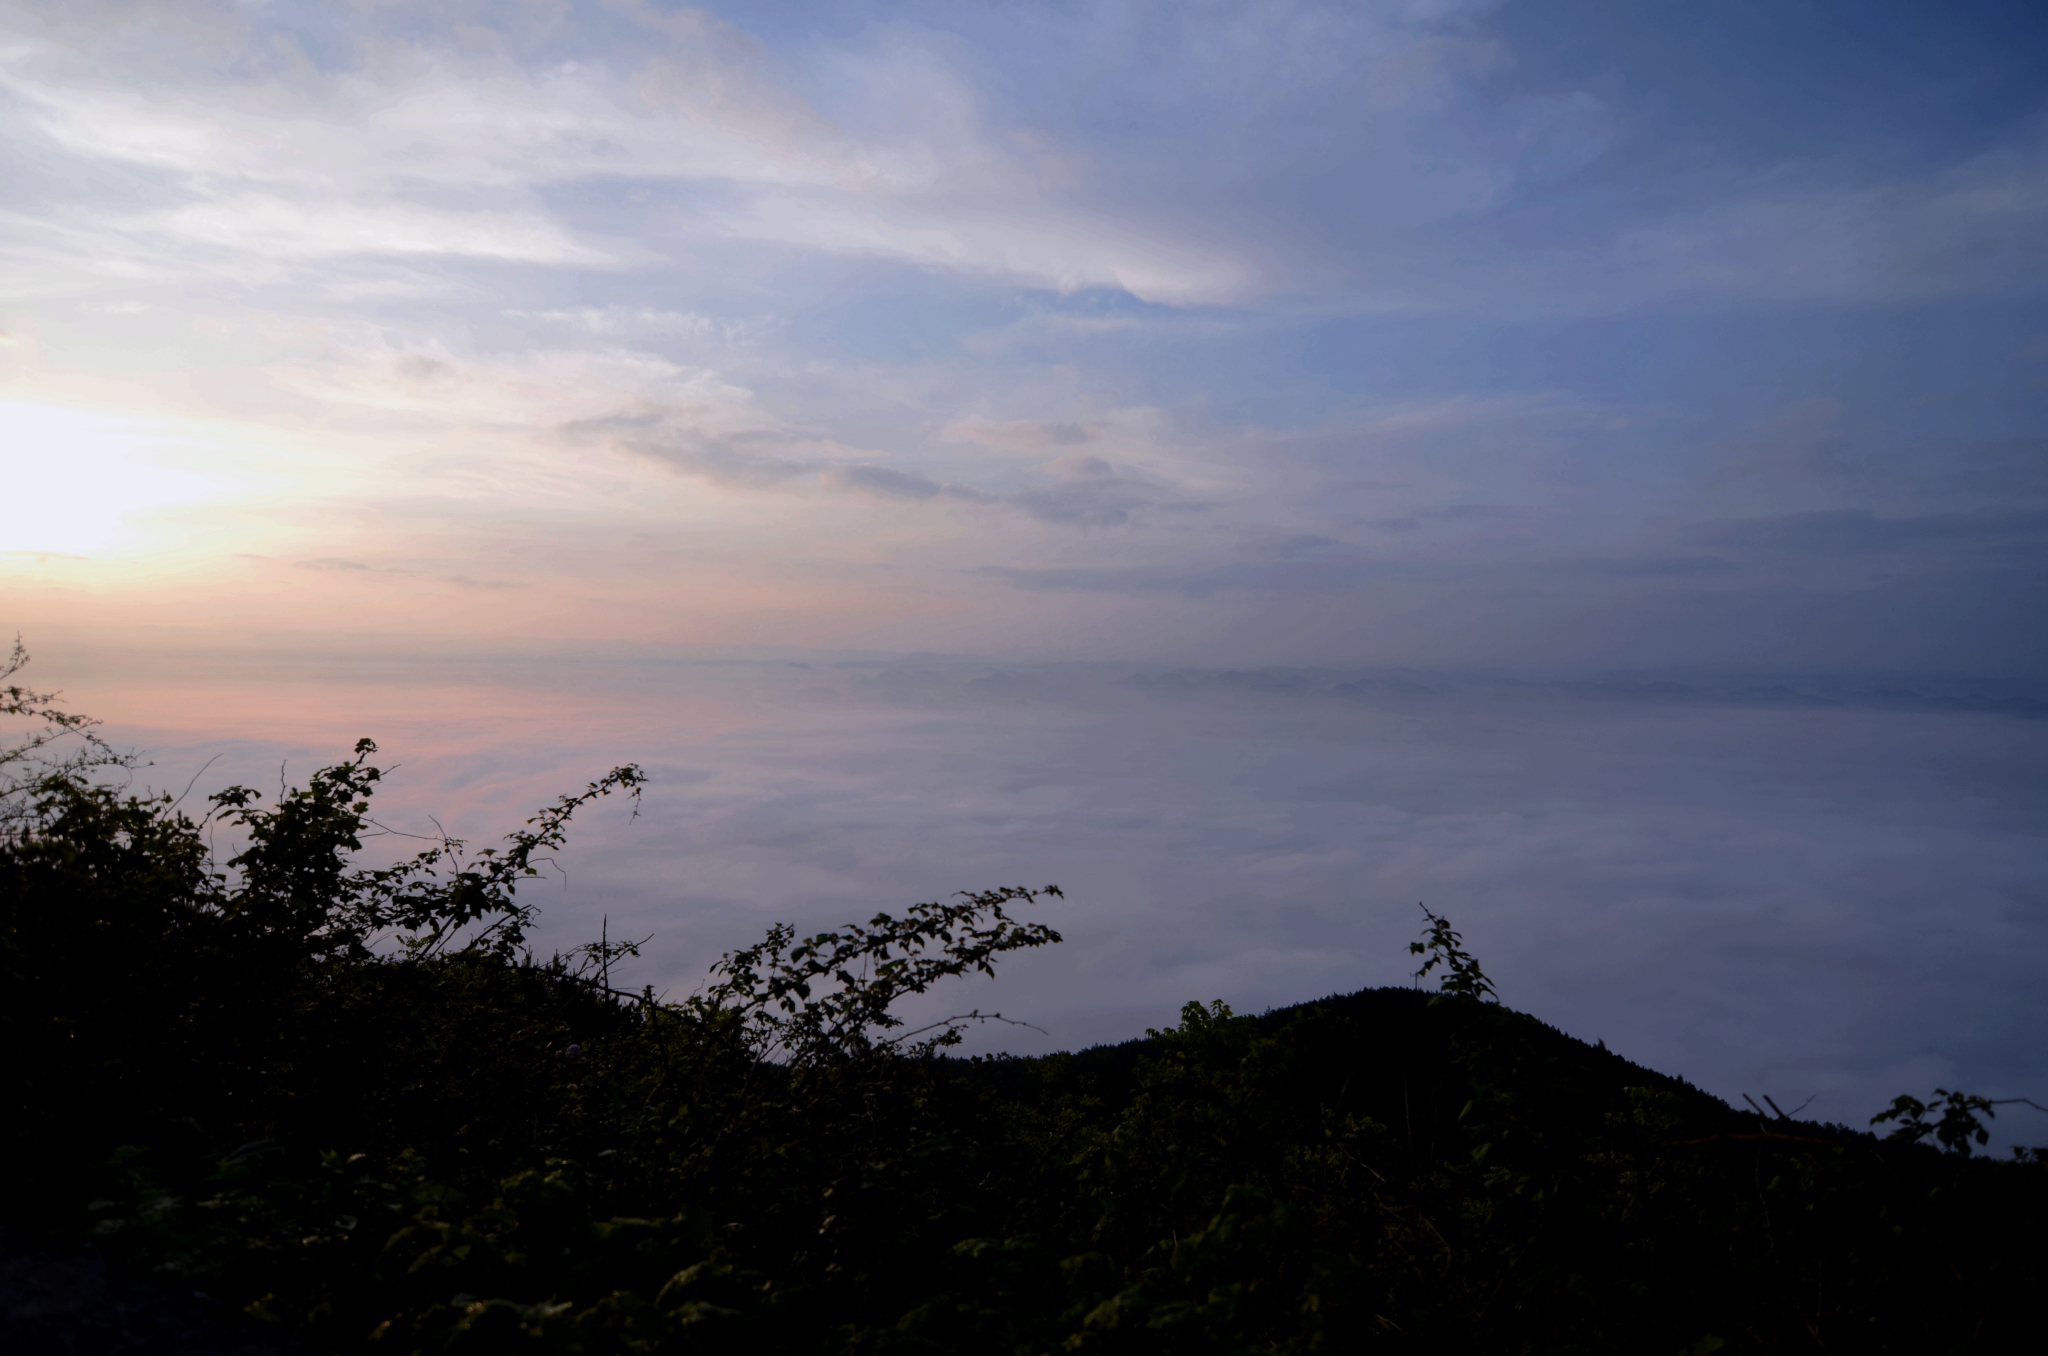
1078, 490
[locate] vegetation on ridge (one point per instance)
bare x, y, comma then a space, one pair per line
349, 1102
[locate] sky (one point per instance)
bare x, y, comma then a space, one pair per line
1581, 465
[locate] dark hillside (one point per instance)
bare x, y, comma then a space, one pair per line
1387, 1055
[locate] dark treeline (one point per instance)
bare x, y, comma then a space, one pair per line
349, 1103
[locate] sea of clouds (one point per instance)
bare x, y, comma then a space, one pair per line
1825, 888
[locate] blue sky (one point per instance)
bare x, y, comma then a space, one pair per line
1506, 343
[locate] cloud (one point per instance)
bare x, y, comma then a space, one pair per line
884, 483
1063, 248
364, 372
419, 144
1450, 513
1085, 491
615, 323
1312, 565
1096, 147
336, 565
462, 581
1859, 531
730, 459
1637, 567
1289, 577
281, 228
1021, 435
1092, 493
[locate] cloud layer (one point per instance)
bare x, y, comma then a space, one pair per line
1766, 882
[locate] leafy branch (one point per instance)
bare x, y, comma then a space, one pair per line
1445, 947
779, 990
296, 877
1955, 1127
25, 769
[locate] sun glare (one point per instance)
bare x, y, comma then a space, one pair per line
85, 482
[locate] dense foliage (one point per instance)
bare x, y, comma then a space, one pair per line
349, 1102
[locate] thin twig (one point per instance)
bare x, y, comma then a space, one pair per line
384, 829
976, 1016
189, 785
